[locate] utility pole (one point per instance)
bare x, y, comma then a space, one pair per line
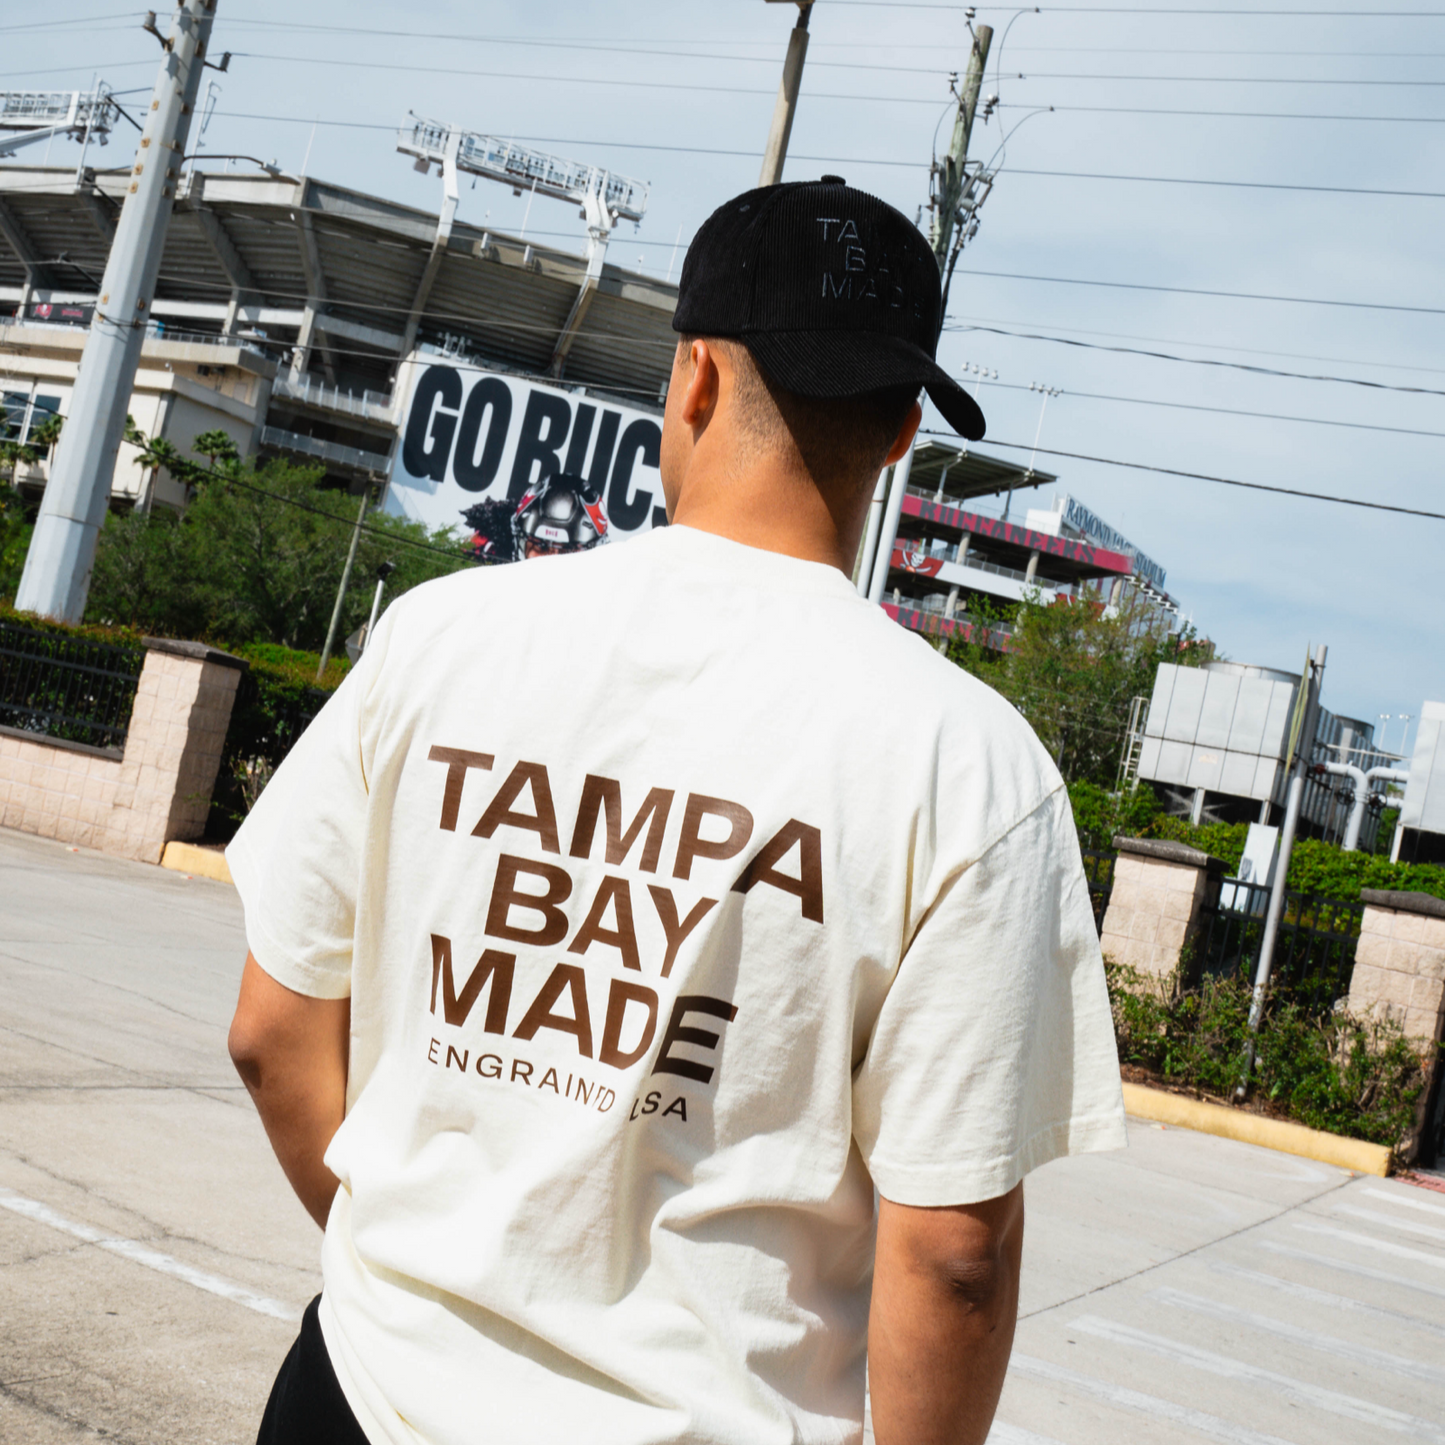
951, 176
951, 181
1299, 764
62, 551
787, 102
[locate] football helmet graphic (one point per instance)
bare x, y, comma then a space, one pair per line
560, 513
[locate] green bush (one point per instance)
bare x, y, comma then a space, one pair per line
89, 631
1356, 1077
1314, 866
275, 701
1101, 816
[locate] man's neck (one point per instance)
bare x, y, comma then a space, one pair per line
774, 509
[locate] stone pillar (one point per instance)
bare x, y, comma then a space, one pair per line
1400, 961
1160, 894
131, 802
1400, 974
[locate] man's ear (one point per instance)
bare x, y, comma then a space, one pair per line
701, 388
905, 436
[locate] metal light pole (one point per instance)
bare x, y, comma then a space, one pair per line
1405, 731
1299, 762
345, 582
382, 573
952, 180
888, 533
62, 551
787, 102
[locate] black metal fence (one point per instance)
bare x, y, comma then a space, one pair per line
59, 686
267, 718
1099, 871
1314, 954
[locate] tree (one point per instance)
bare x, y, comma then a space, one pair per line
216, 444
15, 530
257, 556
1072, 667
47, 434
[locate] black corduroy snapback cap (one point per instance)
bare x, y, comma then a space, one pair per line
832, 291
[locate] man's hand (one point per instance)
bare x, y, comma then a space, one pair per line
291, 1052
945, 1301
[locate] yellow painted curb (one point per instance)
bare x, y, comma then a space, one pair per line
198, 862
1163, 1108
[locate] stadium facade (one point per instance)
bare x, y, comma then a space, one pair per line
310, 320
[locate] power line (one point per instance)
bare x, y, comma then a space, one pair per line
1207, 477
648, 47
857, 160
1238, 114
1231, 411
693, 86
984, 321
1198, 181
687, 85
77, 20
458, 555
1226, 79
1201, 291
1198, 360
1149, 10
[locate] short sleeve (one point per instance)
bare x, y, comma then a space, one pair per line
296, 860
993, 1051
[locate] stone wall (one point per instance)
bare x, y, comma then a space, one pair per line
131, 802
1161, 889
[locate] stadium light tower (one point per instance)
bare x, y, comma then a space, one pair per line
30, 116
604, 197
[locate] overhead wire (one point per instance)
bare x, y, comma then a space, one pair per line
1207, 477
984, 321
1204, 291
693, 86
753, 154
1253, 12
1242, 114
1198, 360
1229, 410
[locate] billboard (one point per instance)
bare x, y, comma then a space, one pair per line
516, 464
1082, 519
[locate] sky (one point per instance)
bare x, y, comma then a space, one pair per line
1119, 119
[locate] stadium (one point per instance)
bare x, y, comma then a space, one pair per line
300, 317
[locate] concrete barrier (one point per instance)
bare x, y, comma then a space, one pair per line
1160, 1107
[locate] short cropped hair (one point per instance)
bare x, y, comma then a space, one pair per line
840, 440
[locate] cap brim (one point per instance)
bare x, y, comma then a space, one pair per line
849, 363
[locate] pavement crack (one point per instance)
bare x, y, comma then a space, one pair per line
27, 1401
1187, 1253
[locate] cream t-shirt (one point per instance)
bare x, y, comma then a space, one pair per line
681, 897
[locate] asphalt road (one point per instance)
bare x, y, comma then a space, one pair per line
153, 1262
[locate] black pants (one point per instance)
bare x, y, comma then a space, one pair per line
306, 1405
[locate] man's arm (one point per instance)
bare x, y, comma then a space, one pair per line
291, 1052
945, 1301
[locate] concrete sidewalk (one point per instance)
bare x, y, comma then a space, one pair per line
153, 1260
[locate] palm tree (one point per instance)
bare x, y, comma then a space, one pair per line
216, 444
